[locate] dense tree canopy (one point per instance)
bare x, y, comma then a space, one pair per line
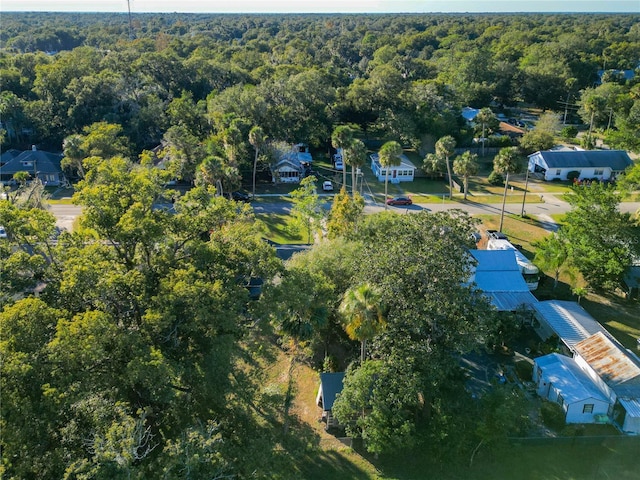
398, 76
123, 367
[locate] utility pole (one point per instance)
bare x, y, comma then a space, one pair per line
130, 22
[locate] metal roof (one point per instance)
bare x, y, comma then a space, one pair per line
631, 406
495, 260
498, 276
609, 360
567, 376
617, 160
568, 320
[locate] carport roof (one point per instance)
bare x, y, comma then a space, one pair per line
568, 320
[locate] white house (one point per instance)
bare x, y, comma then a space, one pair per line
291, 165
590, 164
400, 173
559, 379
617, 372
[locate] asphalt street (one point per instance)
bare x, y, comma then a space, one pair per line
550, 205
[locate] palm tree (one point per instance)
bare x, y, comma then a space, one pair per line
389, 156
256, 139
466, 165
507, 161
484, 117
362, 312
73, 154
357, 155
552, 253
342, 137
445, 147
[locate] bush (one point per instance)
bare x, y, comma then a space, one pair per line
573, 175
495, 178
553, 415
569, 132
524, 370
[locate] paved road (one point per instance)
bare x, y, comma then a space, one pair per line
551, 205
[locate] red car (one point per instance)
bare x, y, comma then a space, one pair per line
400, 201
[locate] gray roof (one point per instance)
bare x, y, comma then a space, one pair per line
617, 160
404, 161
568, 320
9, 155
330, 386
37, 160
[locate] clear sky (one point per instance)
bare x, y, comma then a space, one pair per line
323, 6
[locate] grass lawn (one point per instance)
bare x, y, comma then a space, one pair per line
281, 229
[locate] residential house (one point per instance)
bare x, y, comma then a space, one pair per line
404, 172
330, 386
616, 371
37, 163
590, 164
292, 165
560, 379
497, 274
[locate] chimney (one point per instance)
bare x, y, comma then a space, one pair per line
33, 148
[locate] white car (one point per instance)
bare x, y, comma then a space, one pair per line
327, 186
3, 232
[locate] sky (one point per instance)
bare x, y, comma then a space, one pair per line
323, 6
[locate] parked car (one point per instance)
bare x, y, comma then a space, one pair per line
327, 186
400, 201
241, 196
3, 232
497, 235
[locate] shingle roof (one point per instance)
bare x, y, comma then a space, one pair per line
617, 160
330, 386
43, 162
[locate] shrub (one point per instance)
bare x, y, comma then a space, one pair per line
573, 175
552, 415
495, 178
569, 132
524, 370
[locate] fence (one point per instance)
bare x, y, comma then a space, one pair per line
608, 440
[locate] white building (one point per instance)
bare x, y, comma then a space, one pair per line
559, 379
400, 173
590, 164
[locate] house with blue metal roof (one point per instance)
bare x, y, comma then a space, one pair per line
560, 379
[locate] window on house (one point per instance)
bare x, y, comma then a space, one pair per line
587, 408
598, 172
560, 399
558, 172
